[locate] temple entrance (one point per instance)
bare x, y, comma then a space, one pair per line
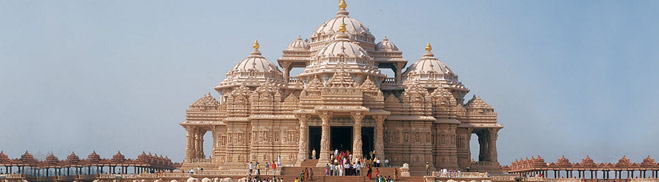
341, 138
314, 140
368, 141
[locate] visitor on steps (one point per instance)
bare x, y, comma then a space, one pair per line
274, 168
427, 169
266, 167
358, 168
251, 166
327, 169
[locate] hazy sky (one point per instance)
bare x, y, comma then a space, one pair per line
566, 77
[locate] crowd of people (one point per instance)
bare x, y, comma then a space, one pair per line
255, 169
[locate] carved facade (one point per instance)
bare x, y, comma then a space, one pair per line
341, 101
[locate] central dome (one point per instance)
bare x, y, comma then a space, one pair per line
354, 28
342, 53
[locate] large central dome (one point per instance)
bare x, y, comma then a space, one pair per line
354, 28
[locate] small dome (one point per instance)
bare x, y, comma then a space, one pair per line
255, 62
51, 159
386, 46
252, 71
73, 158
118, 157
431, 72
93, 157
299, 45
429, 64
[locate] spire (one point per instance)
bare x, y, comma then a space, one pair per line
428, 49
256, 45
342, 8
255, 52
341, 35
342, 28
342, 5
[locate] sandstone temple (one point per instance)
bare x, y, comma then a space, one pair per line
341, 101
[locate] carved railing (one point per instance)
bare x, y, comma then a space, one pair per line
293, 79
503, 178
390, 80
198, 160
174, 175
459, 174
10, 176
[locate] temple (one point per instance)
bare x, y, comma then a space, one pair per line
341, 101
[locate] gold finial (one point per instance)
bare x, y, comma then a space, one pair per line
342, 5
342, 27
428, 47
256, 45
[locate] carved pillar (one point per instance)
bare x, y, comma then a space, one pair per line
200, 144
287, 70
399, 69
492, 144
357, 135
303, 144
379, 135
325, 116
483, 150
189, 146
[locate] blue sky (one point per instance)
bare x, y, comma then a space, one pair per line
570, 78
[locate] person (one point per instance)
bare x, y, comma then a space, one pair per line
297, 179
377, 172
302, 175
313, 153
266, 167
258, 166
310, 174
306, 174
427, 169
331, 169
358, 168
377, 162
274, 168
395, 174
386, 162
279, 160
327, 169
336, 152
368, 173
191, 171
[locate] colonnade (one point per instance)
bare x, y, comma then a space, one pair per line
326, 116
38, 171
195, 143
593, 173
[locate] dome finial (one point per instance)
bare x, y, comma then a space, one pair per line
342, 27
256, 45
428, 47
342, 5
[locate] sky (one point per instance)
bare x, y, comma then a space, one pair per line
571, 78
